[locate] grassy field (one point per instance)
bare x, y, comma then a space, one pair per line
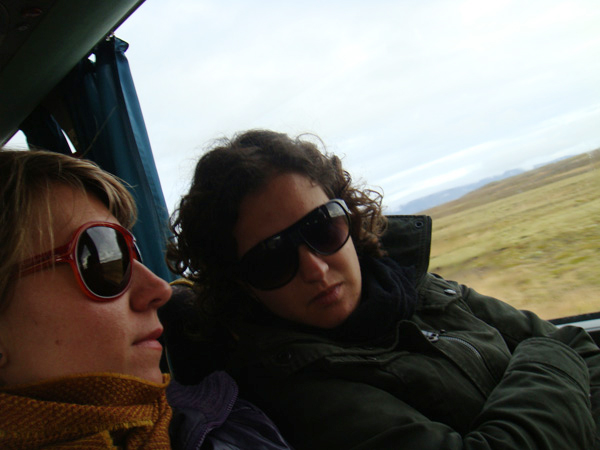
532, 240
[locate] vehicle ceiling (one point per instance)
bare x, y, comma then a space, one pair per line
41, 41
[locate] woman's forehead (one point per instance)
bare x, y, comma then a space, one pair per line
61, 212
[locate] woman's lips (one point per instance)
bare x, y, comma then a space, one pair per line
150, 340
328, 296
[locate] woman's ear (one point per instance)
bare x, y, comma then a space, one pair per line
246, 289
250, 292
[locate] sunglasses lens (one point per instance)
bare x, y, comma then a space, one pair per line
274, 262
103, 261
271, 264
328, 230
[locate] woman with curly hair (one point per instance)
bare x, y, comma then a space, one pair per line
226, 180
342, 336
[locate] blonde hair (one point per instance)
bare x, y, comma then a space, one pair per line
27, 179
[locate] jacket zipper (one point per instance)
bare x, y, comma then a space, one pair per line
434, 337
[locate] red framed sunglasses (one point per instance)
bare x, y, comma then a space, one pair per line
101, 256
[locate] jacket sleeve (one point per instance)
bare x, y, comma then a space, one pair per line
516, 326
542, 402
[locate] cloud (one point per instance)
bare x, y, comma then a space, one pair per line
398, 88
568, 134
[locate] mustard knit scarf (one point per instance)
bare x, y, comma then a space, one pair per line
99, 411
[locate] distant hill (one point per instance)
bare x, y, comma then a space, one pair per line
531, 239
439, 198
521, 182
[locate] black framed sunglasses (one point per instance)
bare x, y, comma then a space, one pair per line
274, 262
101, 256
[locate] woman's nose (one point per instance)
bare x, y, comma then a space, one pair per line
311, 266
147, 290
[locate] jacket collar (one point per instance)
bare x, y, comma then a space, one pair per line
407, 240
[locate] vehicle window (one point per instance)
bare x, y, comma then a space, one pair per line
531, 239
17, 142
482, 114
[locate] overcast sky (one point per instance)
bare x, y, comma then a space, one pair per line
416, 96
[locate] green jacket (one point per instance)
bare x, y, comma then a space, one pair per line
466, 371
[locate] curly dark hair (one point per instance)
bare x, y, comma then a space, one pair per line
204, 249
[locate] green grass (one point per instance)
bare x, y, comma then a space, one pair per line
532, 240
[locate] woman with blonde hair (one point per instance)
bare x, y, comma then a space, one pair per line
79, 330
